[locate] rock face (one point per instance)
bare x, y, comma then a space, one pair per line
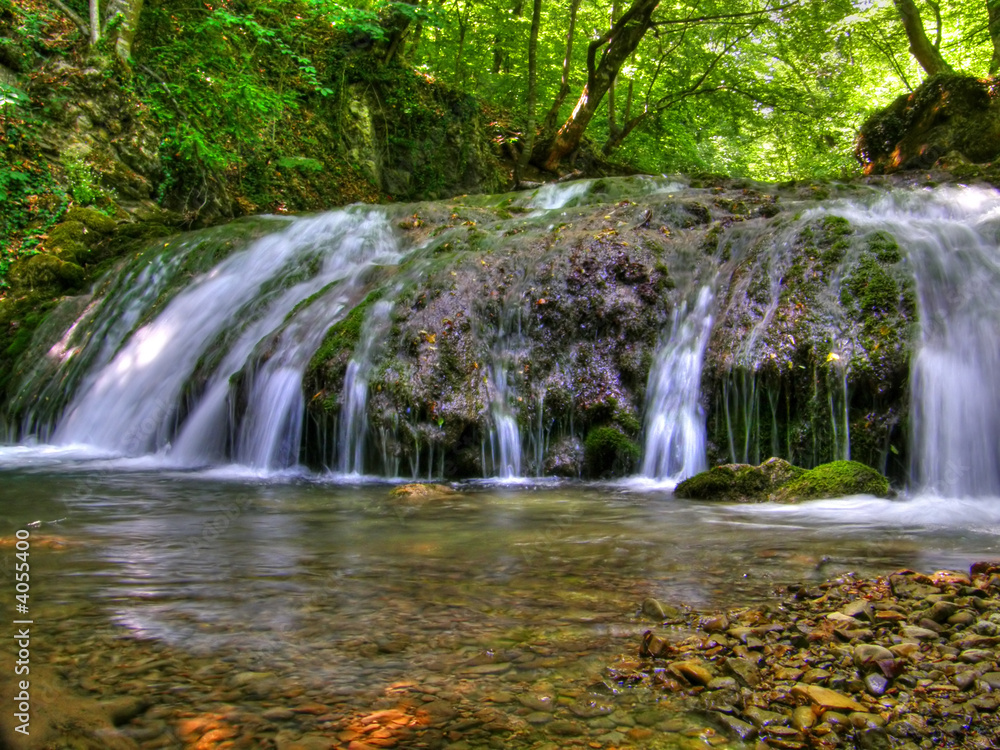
779, 481
527, 325
947, 121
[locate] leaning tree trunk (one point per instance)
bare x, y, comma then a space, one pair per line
95, 22
618, 42
129, 11
927, 54
550, 118
529, 136
993, 9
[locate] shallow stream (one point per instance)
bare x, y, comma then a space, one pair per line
289, 609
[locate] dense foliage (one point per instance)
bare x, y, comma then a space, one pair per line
247, 95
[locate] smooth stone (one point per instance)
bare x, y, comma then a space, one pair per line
744, 670
876, 684
692, 671
975, 655
658, 610
863, 719
788, 673
858, 608
992, 679
941, 611
874, 738
920, 634
867, 656
826, 698
741, 729
815, 675
762, 718
723, 683
565, 728
905, 650
538, 702
803, 718
965, 680
587, 709
538, 718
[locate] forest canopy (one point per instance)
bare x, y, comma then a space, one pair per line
769, 89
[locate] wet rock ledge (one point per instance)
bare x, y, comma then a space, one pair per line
903, 661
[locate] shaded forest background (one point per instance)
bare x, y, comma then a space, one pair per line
190, 112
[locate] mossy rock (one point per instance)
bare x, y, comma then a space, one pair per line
739, 483
420, 494
835, 479
607, 449
91, 218
948, 118
44, 272
69, 233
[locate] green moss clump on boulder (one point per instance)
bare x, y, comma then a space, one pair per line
739, 483
779, 481
607, 449
835, 479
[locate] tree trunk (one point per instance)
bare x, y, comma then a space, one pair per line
129, 11
925, 53
618, 42
550, 118
993, 9
95, 22
529, 136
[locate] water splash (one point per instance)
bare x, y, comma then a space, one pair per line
675, 420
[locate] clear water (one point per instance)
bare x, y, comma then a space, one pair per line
337, 594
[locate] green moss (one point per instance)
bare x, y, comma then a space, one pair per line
836, 479
739, 483
607, 449
329, 363
836, 226
884, 246
44, 272
67, 232
871, 287
93, 219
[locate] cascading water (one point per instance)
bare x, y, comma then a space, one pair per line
675, 420
285, 289
353, 428
505, 437
951, 239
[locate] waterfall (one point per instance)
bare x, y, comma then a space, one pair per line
505, 437
354, 398
950, 237
261, 313
675, 421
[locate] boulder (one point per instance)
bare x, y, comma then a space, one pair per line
779, 481
739, 483
947, 121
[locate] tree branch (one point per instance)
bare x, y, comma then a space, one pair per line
82, 25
